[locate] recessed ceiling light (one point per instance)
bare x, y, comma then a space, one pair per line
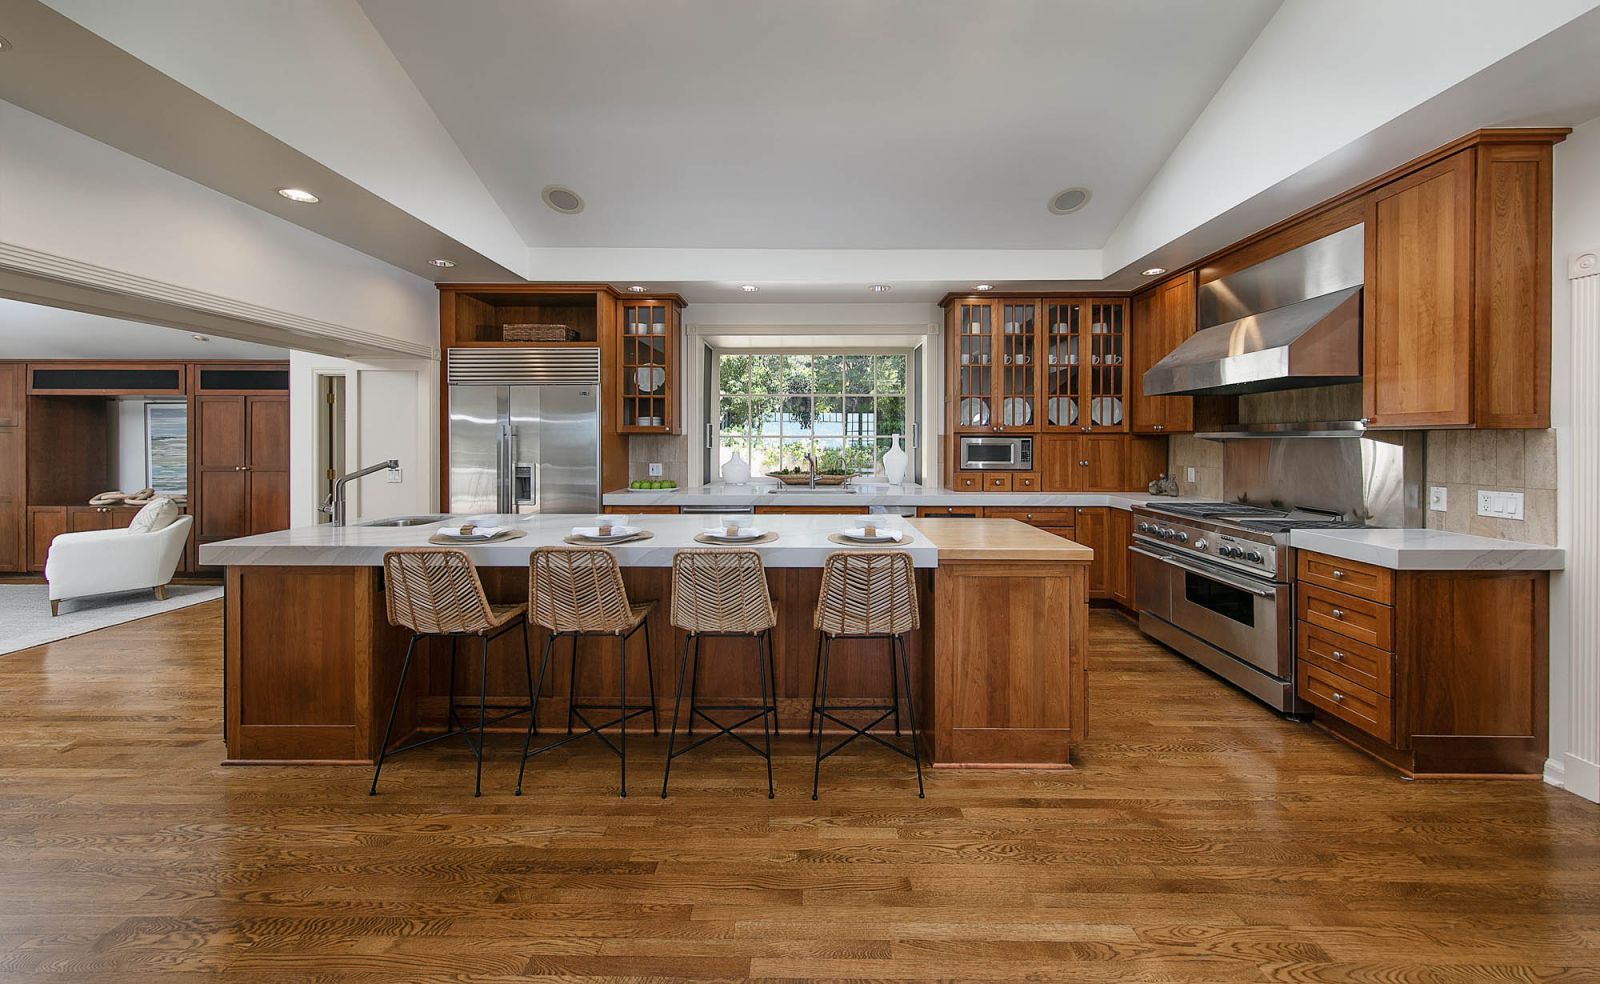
1068, 200
201, 338
299, 195
637, 288
563, 200
1153, 272
880, 288
5, 45
984, 287
749, 288
446, 264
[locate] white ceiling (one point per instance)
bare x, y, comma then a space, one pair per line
32, 331
893, 124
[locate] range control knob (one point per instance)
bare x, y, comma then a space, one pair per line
1145, 527
1253, 557
1232, 552
1182, 537
1201, 544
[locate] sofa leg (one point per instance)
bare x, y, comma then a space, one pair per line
161, 592
55, 608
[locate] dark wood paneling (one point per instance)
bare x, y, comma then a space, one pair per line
69, 458
45, 523
13, 467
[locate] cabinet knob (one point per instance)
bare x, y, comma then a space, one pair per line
1337, 572
1337, 613
1337, 696
1159, 427
1337, 655
1084, 463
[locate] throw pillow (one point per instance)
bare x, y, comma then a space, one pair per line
158, 515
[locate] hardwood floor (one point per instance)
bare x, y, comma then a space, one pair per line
1202, 839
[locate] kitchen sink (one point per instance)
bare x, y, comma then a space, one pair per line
395, 521
824, 489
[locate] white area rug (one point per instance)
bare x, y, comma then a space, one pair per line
25, 611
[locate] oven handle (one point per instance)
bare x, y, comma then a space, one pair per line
1214, 575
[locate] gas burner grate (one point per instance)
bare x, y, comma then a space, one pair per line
1214, 510
1280, 525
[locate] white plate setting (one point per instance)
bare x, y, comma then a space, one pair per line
881, 535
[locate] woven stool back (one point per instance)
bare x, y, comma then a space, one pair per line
577, 589
717, 590
433, 591
867, 592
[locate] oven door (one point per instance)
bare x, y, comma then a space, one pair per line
1152, 583
1250, 619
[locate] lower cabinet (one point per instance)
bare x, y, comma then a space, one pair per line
1119, 537
1432, 672
45, 523
950, 512
811, 510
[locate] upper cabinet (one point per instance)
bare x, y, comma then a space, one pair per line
648, 367
992, 347
1163, 317
1085, 364
1457, 319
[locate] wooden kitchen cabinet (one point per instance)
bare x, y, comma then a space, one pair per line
649, 347
1092, 528
1162, 317
13, 464
45, 523
992, 350
1082, 463
1086, 365
1119, 577
239, 452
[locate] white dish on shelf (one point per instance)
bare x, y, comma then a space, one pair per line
975, 412
1016, 411
1106, 410
1062, 410
650, 378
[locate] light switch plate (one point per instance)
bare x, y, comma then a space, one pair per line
395, 478
1188, 474
655, 469
1500, 505
1438, 498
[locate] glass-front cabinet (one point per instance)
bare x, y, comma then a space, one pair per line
1105, 365
1085, 364
1063, 403
1016, 405
648, 367
970, 329
994, 358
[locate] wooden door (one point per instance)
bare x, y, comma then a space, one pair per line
267, 463
1059, 373
1161, 319
1417, 336
221, 463
1017, 370
1104, 365
1094, 531
649, 367
83, 518
13, 465
1119, 531
972, 355
1102, 461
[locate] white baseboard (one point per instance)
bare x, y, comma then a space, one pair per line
1579, 777
1555, 772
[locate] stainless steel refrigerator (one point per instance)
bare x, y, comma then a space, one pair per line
524, 430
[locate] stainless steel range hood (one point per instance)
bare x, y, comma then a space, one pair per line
1288, 322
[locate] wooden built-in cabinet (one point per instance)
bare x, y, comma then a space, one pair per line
1433, 672
1163, 317
239, 457
14, 551
648, 391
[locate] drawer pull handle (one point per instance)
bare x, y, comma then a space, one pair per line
1338, 573
1338, 656
1337, 613
1337, 696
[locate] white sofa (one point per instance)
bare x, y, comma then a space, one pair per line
103, 561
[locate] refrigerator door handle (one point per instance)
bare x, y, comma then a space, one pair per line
508, 469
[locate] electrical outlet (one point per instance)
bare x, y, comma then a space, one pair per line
1438, 498
395, 477
1188, 475
655, 469
1500, 505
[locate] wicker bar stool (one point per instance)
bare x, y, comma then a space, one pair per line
436, 592
578, 591
721, 592
867, 594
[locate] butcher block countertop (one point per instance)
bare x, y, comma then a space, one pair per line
997, 539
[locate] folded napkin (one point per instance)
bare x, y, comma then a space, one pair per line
861, 532
749, 531
593, 532
478, 532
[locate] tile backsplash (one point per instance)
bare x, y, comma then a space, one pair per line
671, 450
1185, 451
1466, 461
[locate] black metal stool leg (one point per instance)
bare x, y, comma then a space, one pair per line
894, 690
816, 678
911, 709
400, 688
450, 721
694, 684
483, 712
622, 721
527, 741
527, 668
572, 683
650, 668
817, 708
766, 708
677, 704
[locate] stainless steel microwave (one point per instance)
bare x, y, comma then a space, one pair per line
997, 453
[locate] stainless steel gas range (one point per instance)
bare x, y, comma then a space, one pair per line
1214, 580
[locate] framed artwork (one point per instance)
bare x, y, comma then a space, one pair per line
166, 447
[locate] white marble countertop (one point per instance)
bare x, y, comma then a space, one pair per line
1430, 550
760, 493
802, 542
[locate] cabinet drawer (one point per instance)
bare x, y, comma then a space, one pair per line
1361, 580
1349, 616
997, 482
957, 512
1035, 517
1025, 482
968, 482
1355, 661
1347, 701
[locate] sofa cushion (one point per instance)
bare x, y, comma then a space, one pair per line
158, 515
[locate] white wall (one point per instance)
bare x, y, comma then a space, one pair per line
1576, 228
391, 411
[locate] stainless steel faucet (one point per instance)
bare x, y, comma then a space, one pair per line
333, 505
812, 461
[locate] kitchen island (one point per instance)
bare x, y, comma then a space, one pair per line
998, 666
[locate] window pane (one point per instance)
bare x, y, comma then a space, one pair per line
796, 415
828, 372
735, 372
891, 415
858, 416
830, 455
858, 374
828, 414
765, 456
794, 453
889, 371
858, 456
797, 375
767, 419
735, 415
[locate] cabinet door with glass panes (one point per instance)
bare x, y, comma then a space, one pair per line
1061, 375
841, 409
1016, 371
1104, 365
972, 353
648, 367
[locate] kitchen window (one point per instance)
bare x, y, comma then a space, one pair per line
843, 408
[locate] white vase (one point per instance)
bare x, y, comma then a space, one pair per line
894, 463
736, 470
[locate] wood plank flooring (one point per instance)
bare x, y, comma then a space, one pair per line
1202, 839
